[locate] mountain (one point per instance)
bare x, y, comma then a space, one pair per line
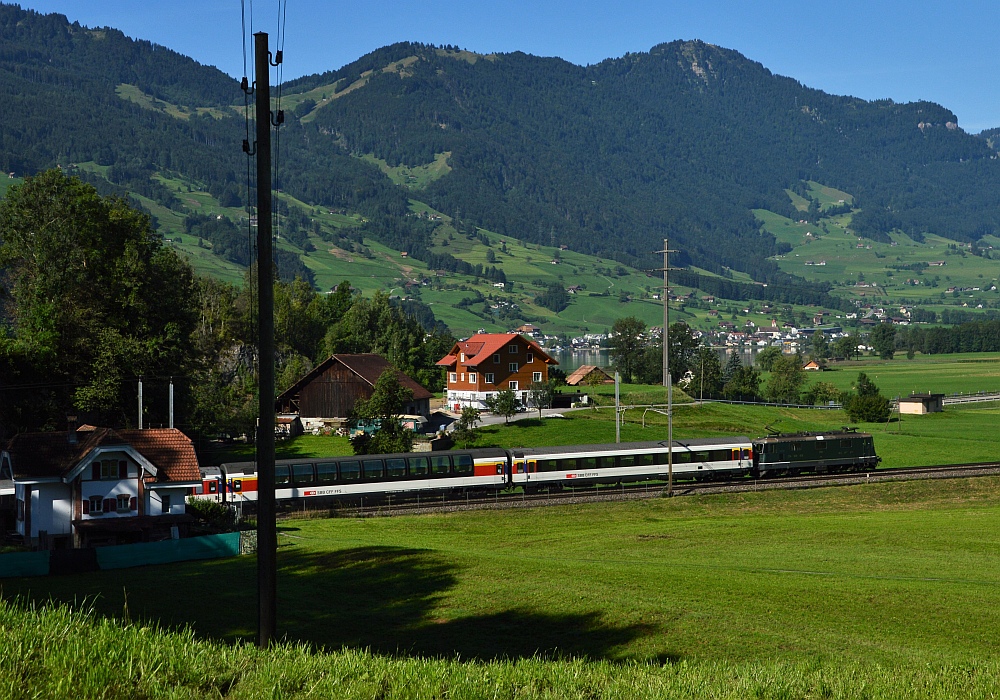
683, 141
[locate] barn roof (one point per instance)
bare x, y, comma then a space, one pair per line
582, 372
367, 366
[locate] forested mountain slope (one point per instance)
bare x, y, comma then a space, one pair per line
681, 142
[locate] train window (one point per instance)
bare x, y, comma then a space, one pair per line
626, 461
302, 474
547, 465
746, 453
644, 460
326, 472
395, 467
587, 463
237, 485
681, 457
419, 466
605, 462
372, 468
721, 455
700, 456
821, 444
349, 471
566, 464
463, 465
281, 475
440, 465
213, 486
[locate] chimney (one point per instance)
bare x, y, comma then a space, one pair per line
71, 430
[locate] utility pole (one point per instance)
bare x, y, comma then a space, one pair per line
618, 424
666, 366
140, 403
267, 537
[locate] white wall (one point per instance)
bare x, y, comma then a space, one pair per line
51, 509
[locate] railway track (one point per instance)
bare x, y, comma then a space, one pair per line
384, 507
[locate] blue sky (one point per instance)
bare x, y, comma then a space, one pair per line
938, 51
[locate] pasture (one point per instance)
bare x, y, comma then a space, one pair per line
882, 590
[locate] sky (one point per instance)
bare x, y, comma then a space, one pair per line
944, 52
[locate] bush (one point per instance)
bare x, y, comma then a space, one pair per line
868, 409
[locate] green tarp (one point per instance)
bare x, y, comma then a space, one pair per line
168, 551
24, 564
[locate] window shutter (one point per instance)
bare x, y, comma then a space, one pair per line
95, 471
133, 504
122, 469
86, 506
110, 505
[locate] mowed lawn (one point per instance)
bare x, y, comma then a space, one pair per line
902, 573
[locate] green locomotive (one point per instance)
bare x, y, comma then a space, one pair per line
819, 453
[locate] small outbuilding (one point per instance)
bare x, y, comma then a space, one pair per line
588, 375
919, 404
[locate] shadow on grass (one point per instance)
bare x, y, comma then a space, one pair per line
381, 598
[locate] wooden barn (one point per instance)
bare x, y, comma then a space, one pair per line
329, 392
589, 374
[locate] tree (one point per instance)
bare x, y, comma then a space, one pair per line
540, 395
867, 404
91, 300
744, 386
820, 346
683, 349
820, 394
883, 340
787, 378
464, 430
767, 357
733, 365
707, 369
503, 403
627, 344
846, 346
384, 409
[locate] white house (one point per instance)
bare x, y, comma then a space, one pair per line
95, 486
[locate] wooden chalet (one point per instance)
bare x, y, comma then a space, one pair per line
587, 375
328, 393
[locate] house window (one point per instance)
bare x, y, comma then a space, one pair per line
108, 469
496, 359
512, 367
489, 396
461, 357
513, 386
165, 503
489, 378
454, 377
96, 505
463, 376
472, 377
123, 499
536, 376
512, 349
531, 358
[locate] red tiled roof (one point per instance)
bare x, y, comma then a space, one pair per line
170, 451
582, 372
36, 455
480, 347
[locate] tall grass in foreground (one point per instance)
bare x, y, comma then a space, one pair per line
51, 652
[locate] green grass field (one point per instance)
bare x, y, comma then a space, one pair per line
881, 590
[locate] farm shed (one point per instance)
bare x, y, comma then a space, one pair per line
588, 374
919, 404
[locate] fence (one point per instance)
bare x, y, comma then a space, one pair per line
123, 556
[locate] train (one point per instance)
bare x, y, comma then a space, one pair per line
488, 470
